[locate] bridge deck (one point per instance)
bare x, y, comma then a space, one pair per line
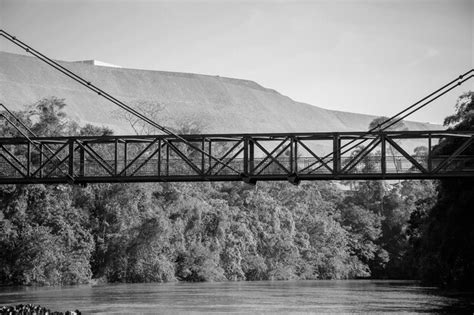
247, 157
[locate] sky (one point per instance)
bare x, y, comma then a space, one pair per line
365, 56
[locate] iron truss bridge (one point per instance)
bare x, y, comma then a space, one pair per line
237, 157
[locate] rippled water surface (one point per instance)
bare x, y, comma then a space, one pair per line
246, 297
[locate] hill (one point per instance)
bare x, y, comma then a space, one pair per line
224, 105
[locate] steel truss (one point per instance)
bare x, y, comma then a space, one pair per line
246, 157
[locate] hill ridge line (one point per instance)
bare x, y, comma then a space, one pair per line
225, 105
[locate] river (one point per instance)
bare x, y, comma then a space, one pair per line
352, 296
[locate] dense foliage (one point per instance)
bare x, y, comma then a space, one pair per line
58, 234
442, 229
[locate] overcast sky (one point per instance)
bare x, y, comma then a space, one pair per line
374, 57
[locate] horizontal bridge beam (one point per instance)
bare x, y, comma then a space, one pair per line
245, 157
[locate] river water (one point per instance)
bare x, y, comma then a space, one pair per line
265, 297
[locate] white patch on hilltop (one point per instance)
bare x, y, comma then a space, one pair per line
98, 63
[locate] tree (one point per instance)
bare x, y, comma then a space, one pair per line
158, 232
463, 118
151, 109
50, 118
45, 235
444, 235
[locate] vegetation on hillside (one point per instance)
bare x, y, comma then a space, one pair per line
154, 232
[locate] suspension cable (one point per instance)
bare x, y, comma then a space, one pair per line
459, 82
30, 140
16, 127
404, 113
19, 121
105, 95
435, 98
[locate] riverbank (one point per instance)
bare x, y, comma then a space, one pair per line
26, 309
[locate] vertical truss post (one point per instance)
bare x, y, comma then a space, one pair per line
125, 149
251, 156
292, 176
28, 159
82, 159
71, 158
116, 157
336, 154
292, 144
167, 159
295, 143
246, 156
430, 162
248, 161
40, 172
383, 159
159, 158
203, 158
210, 152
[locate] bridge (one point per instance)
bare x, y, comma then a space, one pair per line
375, 154
245, 157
